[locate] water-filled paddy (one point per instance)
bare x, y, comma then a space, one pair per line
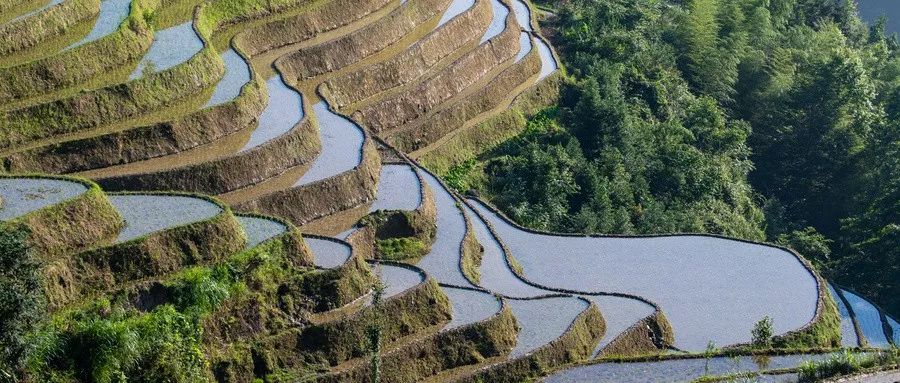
397, 279
498, 23
524, 46
848, 331
548, 62
21, 196
237, 73
523, 14
259, 230
672, 371
342, 143
171, 46
285, 109
868, 318
38, 10
145, 214
543, 321
711, 289
112, 13
895, 328
455, 8
470, 306
620, 313
442, 262
328, 254
398, 189
495, 272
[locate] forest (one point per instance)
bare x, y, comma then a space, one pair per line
775, 120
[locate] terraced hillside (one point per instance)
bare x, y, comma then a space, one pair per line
176, 130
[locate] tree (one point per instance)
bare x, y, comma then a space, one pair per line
762, 333
21, 298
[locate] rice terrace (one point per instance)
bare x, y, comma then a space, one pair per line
396, 191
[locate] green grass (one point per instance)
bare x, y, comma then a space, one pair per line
846, 363
397, 249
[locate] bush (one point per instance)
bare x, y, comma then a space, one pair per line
845, 363
400, 248
762, 333
21, 299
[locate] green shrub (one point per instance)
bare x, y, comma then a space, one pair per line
762, 333
400, 248
105, 344
845, 363
21, 298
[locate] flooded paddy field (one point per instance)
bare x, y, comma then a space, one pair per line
21, 196
145, 214
712, 289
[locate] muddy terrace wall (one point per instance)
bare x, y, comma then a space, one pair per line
341, 52
577, 343
117, 102
639, 338
303, 204
464, 29
30, 31
416, 309
120, 48
298, 147
463, 346
416, 101
146, 142
71, 225
306, 25
418, 136
420, 223
340, 286
162, 252
473, 141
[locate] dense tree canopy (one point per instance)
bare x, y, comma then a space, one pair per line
760, 119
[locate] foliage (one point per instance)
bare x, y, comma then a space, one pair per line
373, 332
630, 148
757, 119
395, 249
21, 299
106, 344
809, 242
761, 335
845, 363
